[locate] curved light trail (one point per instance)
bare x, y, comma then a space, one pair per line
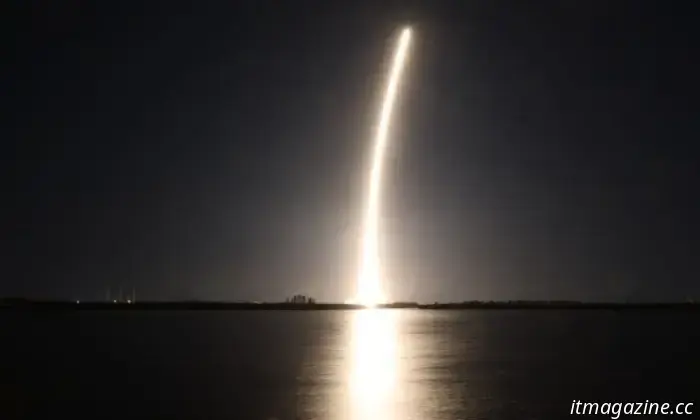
369, 287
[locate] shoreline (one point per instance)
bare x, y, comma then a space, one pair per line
520, 305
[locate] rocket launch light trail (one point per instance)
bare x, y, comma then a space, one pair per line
369, 287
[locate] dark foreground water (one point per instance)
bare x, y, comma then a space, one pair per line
379, 365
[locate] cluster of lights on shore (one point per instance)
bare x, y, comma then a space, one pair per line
369, 282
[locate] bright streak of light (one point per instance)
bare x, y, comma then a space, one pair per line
369, 288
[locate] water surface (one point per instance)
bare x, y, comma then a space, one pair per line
338, 365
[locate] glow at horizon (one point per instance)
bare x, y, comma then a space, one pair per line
369, 287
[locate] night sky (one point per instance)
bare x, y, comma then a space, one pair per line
218, 150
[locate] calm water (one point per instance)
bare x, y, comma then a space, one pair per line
400, 364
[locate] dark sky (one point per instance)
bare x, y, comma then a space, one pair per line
542, 150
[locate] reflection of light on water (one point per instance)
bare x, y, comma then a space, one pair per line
373, 369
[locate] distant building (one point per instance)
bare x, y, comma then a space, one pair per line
301, 299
